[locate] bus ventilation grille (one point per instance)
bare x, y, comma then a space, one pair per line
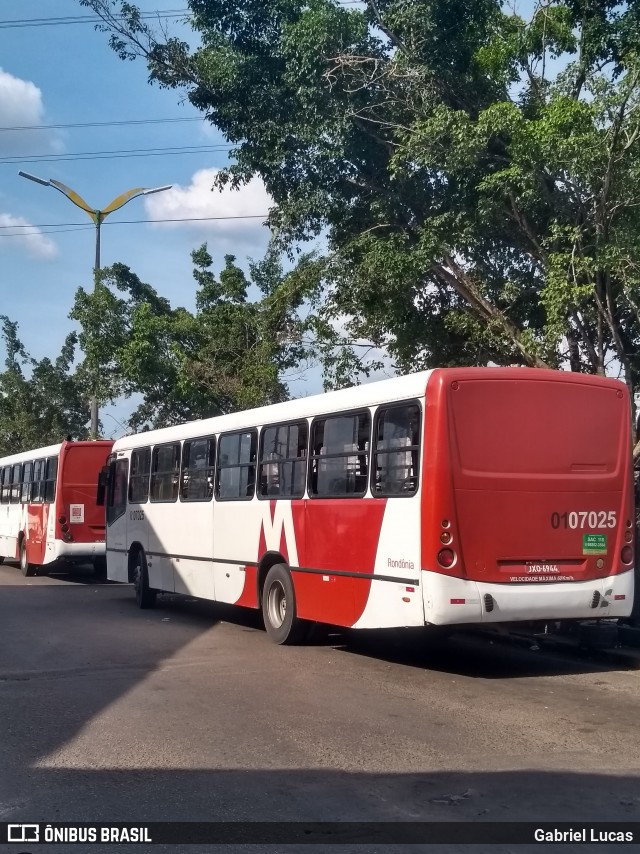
488, 602
595, 599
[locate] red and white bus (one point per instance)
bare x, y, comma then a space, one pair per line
48, 505
447, 497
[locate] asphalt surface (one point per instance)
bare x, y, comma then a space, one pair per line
189, 713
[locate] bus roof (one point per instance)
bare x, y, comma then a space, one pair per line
355, 397
49, 451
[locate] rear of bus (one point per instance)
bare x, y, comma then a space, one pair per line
528, 497
80, 527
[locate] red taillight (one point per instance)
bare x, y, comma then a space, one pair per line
628, 536
446, 558
626, 555
62, 519
445, 537
64, 527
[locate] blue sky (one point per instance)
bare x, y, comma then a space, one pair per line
64, 75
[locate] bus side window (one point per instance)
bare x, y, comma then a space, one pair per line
165, 472
198, 463
340, 459
236, 470
50, 475
6, 486
139, 479
283, 460
27, 483
117, 492
396, 450
16, 477
38, 481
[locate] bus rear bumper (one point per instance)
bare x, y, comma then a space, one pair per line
456, 601
79, 551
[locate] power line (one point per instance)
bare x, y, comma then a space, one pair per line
103, 124
12, 160
130, 222
83, 19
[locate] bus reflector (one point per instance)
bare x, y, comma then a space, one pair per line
619, 596
446, 558
456, 601
410, 589
626, 555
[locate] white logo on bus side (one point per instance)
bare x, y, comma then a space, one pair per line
282, 521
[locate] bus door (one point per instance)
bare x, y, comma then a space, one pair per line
116, 519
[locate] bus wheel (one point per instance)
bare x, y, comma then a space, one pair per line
279, 607
145, 596
26, 568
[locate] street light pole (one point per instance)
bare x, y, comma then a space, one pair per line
98, 217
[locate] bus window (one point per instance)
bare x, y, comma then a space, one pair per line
117, 498
38, 478
16, 476
27, 483
139, 479
198, 462
165, 472
283, 460
6, 484
396, 451
340, 459
236, 472
50, 475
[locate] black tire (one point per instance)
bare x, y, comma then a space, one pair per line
1, 559
100, 567
26, 568
279, 607
145, 595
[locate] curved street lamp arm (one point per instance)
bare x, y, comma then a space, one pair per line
75, 198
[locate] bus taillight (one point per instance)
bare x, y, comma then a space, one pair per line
626, 555
446, 558
62, 519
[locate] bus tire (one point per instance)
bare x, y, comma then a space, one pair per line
145, 596
26, 568
279, 607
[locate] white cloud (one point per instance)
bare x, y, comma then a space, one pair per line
21, 106
13, 233
246, 209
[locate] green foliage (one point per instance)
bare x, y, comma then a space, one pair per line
477, 173
231, 353
41, 402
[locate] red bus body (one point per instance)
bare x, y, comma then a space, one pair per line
515, 503
48, 505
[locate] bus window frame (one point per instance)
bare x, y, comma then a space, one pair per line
173, 472
209, 469
132, 476
26, 484
312, 456
113, 465
262, 462
386, 407
253, 432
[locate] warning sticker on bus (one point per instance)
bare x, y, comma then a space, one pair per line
594, 544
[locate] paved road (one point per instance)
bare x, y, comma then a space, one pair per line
189, 712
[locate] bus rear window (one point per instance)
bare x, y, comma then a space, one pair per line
536, 427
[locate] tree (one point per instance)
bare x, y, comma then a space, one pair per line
45, 403
231, 353
478, 173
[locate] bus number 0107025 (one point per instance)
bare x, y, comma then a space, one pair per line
592, 519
